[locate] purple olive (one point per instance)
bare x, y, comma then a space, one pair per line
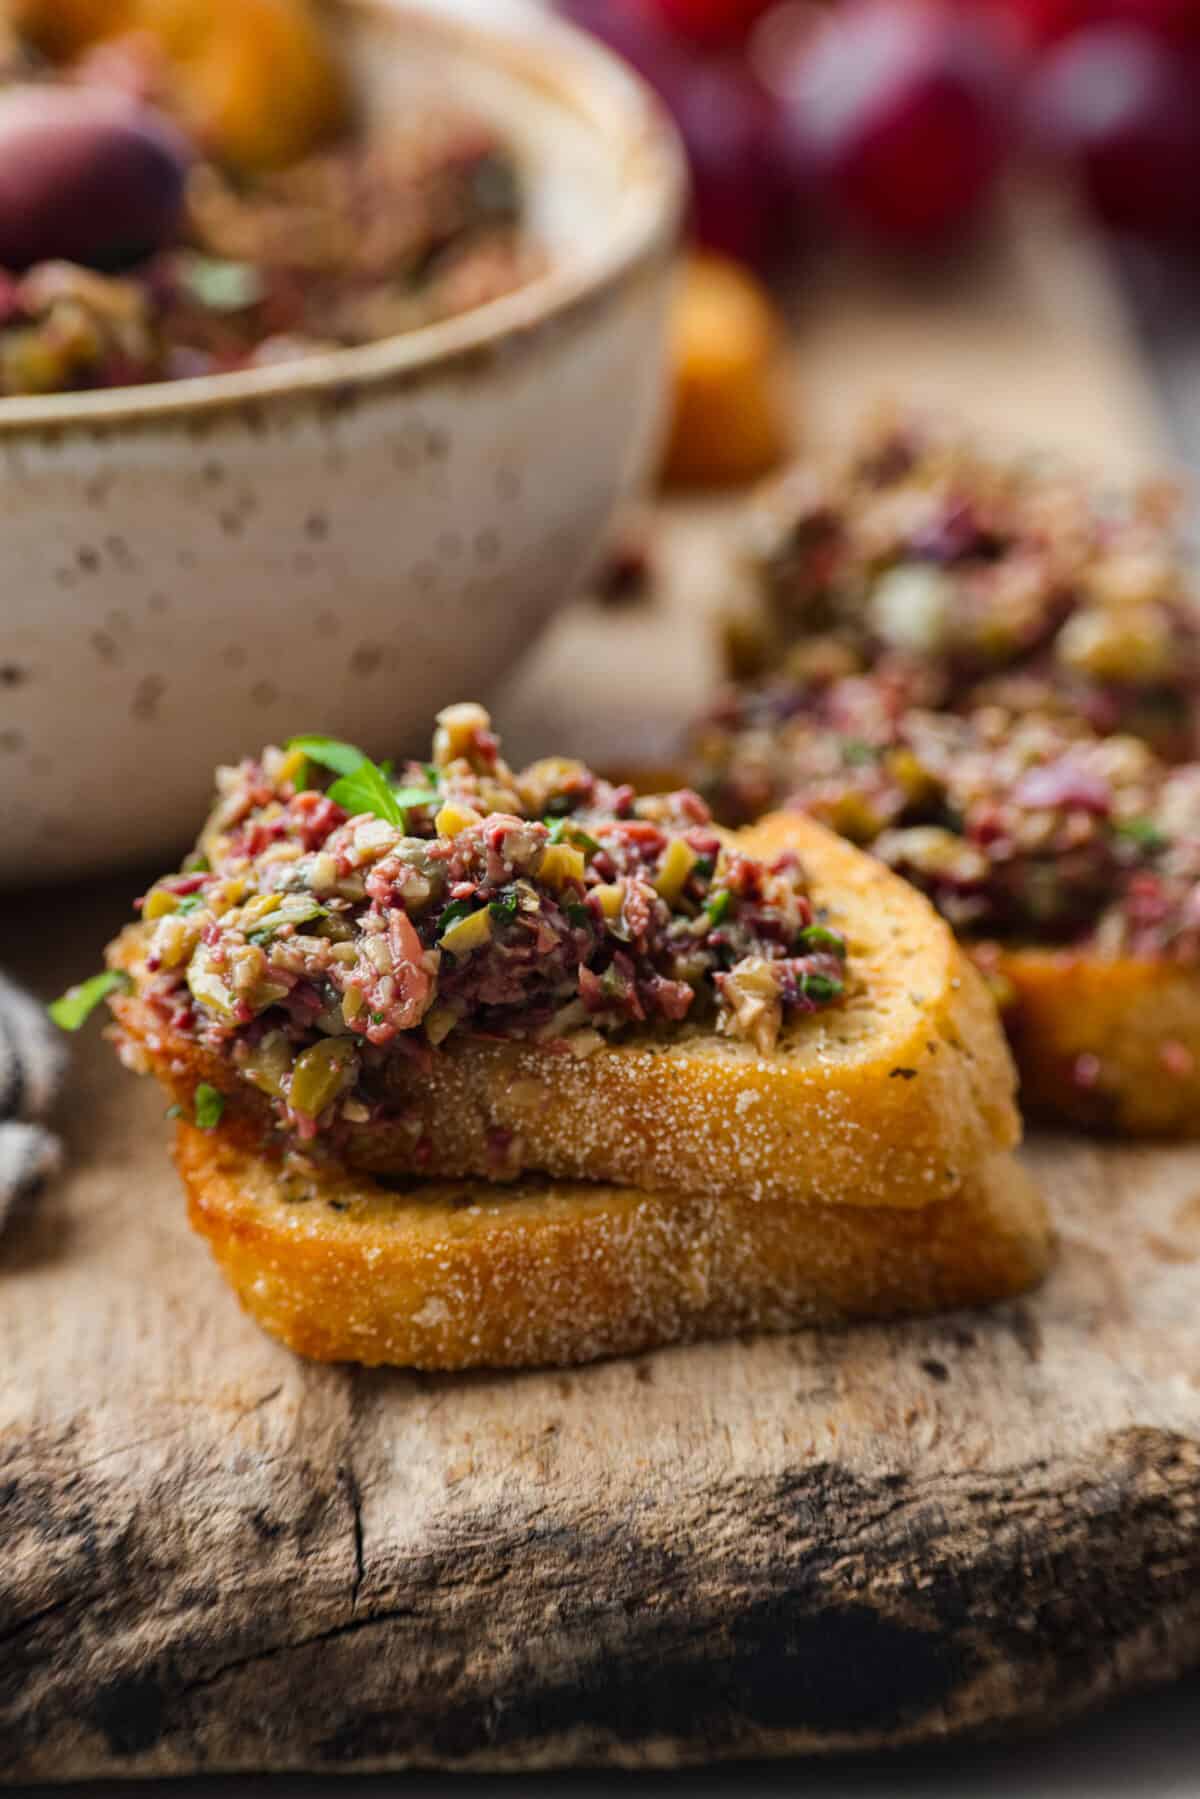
86, 176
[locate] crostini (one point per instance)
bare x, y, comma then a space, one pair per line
989, 679
467, 972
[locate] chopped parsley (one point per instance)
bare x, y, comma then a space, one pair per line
454, 911
817, 936
1144, 832
565, 830
820, 987
219, 284
716, 906
209, 1105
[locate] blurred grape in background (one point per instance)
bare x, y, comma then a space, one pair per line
892, 119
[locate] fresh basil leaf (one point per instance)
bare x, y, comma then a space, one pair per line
366, 790
416, 796
191, 902
73, 1008
342, 758
208, 1106
505, 907
579, 914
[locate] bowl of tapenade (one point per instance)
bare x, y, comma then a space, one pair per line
302, 309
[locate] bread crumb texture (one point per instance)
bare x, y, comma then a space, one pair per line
451, 1275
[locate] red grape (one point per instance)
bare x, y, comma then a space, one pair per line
901, 108
713, 24
724, 115
1121, 105
1046, 21
725, 119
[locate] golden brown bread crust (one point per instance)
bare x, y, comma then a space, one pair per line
453, 1275
1108, 1045
887, 1099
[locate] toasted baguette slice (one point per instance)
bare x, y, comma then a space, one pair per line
1106, 1044
450, 1275
886, 1099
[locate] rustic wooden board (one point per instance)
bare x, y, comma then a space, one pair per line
213, 1556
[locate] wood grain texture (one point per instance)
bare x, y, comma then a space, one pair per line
214, 1556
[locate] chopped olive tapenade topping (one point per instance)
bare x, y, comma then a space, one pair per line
337, 911
986, 673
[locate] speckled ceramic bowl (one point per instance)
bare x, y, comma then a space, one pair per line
190, 570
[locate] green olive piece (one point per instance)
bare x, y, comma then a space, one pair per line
269, 1065
321, 1073
207, 986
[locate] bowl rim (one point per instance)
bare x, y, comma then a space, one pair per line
532, 46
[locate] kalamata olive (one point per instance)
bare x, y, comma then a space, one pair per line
86, 176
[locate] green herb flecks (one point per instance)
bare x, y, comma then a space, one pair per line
820, 988
208, 1107
219, 284
454, 911
73, 1008
1144, 832
716, 906
818, 937
565, 830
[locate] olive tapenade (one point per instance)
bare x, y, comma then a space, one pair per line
1030, 827
971, 580
987, 674
324, 925
135, 246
